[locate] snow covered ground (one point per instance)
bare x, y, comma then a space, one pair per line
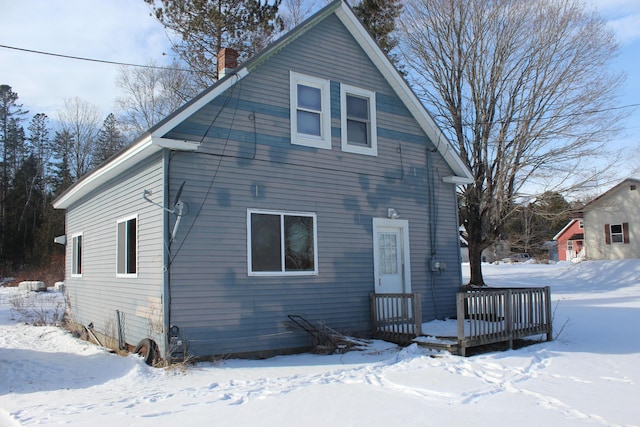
590, 375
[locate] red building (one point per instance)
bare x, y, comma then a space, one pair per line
571, 240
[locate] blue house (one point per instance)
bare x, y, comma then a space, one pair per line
303, 181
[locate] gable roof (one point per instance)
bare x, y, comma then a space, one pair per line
152, 141
566, 227
595, 202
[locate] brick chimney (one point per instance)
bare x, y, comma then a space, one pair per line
227, 61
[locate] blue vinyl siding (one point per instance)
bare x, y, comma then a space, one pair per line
95, 297
246, 160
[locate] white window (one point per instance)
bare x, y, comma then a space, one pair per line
358, 120
76, 255
310, 111
281, 243
616, 233
127, 247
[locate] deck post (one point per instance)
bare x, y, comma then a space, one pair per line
417, 313
460, 299
547, 298
374, 313
508, 314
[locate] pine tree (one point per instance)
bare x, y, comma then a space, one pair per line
110, 140
206, 26
379, 16
40, 147
62, 178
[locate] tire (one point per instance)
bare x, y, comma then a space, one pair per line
148, 350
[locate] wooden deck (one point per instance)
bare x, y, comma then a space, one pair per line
396, 317
484, 316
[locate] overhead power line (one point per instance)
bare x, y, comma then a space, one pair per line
102, 61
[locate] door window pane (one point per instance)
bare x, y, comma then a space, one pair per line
388, 244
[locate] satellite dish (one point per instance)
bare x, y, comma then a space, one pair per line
179, 208
178, 194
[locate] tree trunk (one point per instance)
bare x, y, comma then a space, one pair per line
476, 244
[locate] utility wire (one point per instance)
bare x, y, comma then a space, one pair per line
102, 61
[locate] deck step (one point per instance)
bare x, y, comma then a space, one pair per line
438, 343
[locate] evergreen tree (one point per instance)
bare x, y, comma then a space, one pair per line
40, 147
110, 140
62, 178
206, 26
10, 114
379, 16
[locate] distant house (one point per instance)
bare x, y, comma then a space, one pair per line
571, 241
612, 223
303, 181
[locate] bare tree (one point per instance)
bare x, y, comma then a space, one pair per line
81, 121
296, 11
150, 94
523, 90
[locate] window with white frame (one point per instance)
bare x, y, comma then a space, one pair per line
358, 120
127, 247
76, 255
616, 233
281, 243
310, 111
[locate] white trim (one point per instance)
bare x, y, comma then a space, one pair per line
457, 180
564, 229
283, 271
118, 222
324, 140
370, 96
74, 260
403, 225
175, 144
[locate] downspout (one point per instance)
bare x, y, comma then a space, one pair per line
166, 256
432, 229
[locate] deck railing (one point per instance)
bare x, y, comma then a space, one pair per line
396, 317
490, 315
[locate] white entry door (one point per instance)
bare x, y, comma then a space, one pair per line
392, 272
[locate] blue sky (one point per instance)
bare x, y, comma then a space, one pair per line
123, 31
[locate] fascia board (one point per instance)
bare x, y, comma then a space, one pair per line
113, 168
175, 144
402, 89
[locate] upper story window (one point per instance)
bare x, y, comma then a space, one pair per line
76, 255
310, 111
358, 120
127, 247
281, 243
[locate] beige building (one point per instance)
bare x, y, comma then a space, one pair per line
612, 223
